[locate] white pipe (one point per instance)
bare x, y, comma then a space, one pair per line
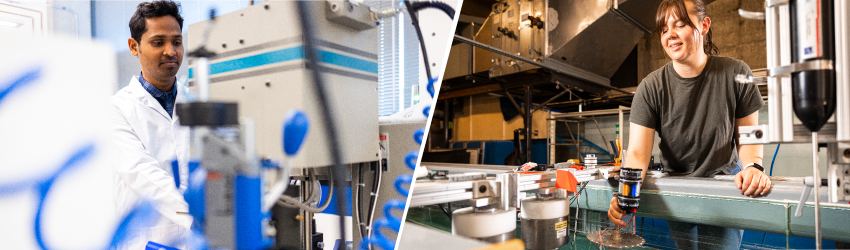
751, 14
785, 81
774, 90
203, 68
842, 72
279, 187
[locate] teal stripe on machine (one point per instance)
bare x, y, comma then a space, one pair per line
289, 54
258, 60
347, 61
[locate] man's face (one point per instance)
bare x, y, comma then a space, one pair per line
160, 50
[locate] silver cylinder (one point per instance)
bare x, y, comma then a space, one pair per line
816, 189
545, 234
544, 222
498, 238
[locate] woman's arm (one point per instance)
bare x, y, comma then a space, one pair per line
637, 157
751, 181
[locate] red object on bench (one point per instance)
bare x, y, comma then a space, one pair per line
565, 180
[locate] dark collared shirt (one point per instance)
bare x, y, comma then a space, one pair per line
166, 99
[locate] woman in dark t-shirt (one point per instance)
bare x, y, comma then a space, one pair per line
695, 105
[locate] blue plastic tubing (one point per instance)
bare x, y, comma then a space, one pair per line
391, 222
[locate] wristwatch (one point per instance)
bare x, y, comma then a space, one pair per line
755, 165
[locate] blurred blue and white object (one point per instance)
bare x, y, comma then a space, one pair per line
57, 110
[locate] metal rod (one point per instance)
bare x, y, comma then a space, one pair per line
470, 58
620, 134
307, 222
550, 138
446, 122
631, 20
604, 141
550, 100
518, 109
575, 226
526, 60
575, 142
528, 117
817, 189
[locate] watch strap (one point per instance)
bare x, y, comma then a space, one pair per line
755, 165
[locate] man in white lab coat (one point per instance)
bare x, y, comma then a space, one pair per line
148, 132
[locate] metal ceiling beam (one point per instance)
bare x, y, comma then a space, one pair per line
532, 62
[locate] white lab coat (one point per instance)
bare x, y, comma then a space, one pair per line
148, 140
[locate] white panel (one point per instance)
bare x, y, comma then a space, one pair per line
43, 122
20, 22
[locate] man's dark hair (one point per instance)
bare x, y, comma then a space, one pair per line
149, 10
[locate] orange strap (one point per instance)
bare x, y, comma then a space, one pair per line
566, 180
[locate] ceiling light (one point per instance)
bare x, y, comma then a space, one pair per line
10, 24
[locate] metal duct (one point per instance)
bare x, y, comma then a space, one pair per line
602, 46
588, 39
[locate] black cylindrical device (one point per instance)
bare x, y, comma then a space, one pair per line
813, 39
628, 198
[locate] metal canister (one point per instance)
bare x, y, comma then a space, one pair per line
544, 222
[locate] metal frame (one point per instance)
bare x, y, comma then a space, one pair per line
712, 201
781, 128
778, 29
513, 185
838, 172
555, 117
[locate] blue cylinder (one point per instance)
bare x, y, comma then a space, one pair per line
249, 216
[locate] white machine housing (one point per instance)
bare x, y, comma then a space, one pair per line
261, 65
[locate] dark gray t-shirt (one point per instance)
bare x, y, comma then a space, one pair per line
695, 117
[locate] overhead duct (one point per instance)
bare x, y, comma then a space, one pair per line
586, 39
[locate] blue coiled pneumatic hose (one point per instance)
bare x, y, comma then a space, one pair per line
391, 221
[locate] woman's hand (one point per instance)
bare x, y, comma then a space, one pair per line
752, 182
615, 213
